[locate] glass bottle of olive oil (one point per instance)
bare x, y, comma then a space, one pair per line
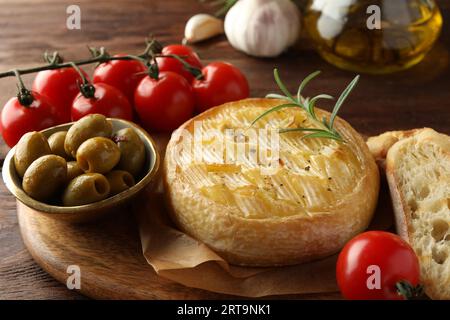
373, 36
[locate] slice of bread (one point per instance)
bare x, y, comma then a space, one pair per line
418, 173
380, 145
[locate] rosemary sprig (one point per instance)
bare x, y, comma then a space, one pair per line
308, 104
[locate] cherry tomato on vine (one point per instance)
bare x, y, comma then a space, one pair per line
164, 104
60, 87
172, 64
17, 119
222, 82
372, 264
107, 101
124, 75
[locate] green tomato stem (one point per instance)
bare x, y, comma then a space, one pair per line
24, 95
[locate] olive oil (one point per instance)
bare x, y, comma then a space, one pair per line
347, 34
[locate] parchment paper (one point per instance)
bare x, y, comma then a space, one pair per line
180, 258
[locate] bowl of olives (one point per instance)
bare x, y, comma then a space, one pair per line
82, 170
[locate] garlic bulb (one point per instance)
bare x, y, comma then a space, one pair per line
262, 28
201, 27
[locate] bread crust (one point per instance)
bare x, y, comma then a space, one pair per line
380, 145
435, 280
278, 240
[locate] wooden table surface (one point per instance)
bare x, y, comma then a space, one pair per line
415, 98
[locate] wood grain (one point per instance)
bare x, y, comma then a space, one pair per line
415, 98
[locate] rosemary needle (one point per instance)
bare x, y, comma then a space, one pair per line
308, 104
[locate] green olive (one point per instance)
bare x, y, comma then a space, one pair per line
86, 188
56, 142
119, 181
44, 177
132, 151
93, 125
31, 146
73, 170
98, 155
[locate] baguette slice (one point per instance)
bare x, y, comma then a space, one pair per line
380, 145
418, 173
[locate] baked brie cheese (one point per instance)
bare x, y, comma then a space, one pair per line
259, 197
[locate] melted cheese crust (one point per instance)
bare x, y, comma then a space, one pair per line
309, 176
316, 195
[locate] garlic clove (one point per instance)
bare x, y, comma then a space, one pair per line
202, 27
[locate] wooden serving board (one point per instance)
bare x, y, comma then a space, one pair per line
109, 255
110, 258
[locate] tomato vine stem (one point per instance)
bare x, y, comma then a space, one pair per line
86, 88
153, 50
54, 61
100, 59
24, 95
409, 291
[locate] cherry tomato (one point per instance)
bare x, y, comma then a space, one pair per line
372, 263
16, 119
60, 87
124, 75
164, 104
172, 64
107, 100
222, 82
